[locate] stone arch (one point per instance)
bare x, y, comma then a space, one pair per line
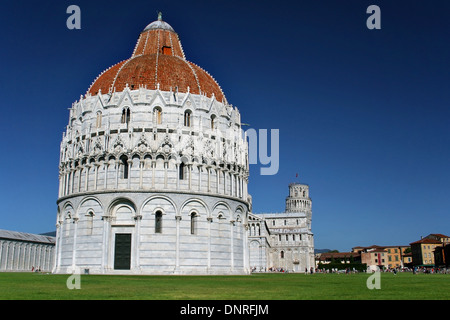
255, 243
239, 213
123, 211
90, 202
194, 204
68, 211
223, 208
161, 202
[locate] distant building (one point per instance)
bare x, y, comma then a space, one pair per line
20, 251
423, 250
439, 237
442, 256
341, 257
382, 257
284, 241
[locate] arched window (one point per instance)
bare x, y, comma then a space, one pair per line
89, 222
157, 113
98, 122
124, 167
187, 118
282, 254
158, 222
213, 121
182, 169
126, 116
193, 222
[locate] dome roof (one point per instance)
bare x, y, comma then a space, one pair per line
159, 24
158, 61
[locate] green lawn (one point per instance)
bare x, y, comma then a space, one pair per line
403, 286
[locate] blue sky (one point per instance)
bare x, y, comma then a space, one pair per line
363, 114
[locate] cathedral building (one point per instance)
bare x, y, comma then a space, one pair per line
284, 241
153, 170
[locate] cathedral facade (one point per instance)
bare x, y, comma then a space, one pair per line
153, 170
284, 241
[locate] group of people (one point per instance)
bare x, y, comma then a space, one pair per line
430, 270
311, 270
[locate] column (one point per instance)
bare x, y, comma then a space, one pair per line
189, 168
224, 182
129, 163
137, 241
209, 178
105, 169
178, 175
177, 245
209, 219
105, 242
116, 163
153, 173
59, 243
141, 172
69, 182
199, 177
246, 249
96, 166
217, 180
60, 186
79, 178
86, 177
74, 246
232, 244
166, 164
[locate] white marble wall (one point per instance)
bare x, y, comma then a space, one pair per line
25, 256
87, 226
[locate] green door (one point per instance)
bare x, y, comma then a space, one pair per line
122, 251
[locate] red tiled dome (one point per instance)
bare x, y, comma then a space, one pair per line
158, 59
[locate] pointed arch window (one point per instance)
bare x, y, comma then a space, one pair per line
98, 122
187, 118
157, 113
124, 167
213, 122
126, 116
182, 169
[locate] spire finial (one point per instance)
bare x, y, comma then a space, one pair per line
160, 16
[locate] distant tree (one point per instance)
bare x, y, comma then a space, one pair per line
334, 251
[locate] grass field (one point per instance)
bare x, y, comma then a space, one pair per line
403, 286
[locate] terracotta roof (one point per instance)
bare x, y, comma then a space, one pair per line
338, 255
158, 61
438, 235
427, 240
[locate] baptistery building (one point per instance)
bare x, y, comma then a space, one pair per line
153, 169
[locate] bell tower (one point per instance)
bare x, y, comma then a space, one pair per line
298, 199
